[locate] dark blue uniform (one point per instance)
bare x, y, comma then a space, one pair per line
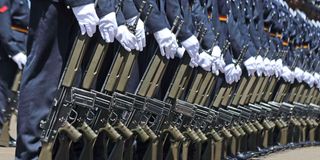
14, 22
52, 31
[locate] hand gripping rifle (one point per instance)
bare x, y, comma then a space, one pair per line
244, 87
201, 80
9, 110
183, 74
153, 75
222, 97
121, 67
268, 92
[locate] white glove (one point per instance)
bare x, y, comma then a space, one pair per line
167, 42
87, 18
260, 65
108, 27
180, 52
126, 38
192, 47
238, 73
278, 70
316, 78
218, 62
268, 71
287, 74
232, 73
298, 74
250, 65
308, 78
273, 66
20, 59
139, 33
205, 61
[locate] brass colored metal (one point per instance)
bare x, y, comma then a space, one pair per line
247, 90
111, 132
124, 130
95, 65
150, 133
79, 47
143, 136
177, 135
240, 90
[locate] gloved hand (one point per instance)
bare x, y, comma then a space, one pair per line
20, 60
273, 66
268, 71
139, 33
316, 78
287, 74
192, 47
250, 65
218, 61
126, 38
232, 73
167, 42
205, 61
259, 65
180, 52
108, 27
308, 78
238, 73
278, 68
87, 18
298, 74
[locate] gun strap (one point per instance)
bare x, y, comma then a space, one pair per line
219, 96
293, 93
185, 150
117, 151
64, 147
299, 92
4, 135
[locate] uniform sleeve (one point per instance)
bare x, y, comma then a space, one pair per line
173, 10
129, 9
157, 20
105, 7
5, 29
199, 15
76, 3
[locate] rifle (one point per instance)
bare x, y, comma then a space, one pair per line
154, 73
122, 65
242, 93
59, 119
201, 81
222, 97
268, 92
9, 110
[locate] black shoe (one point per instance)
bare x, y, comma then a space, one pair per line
12, 142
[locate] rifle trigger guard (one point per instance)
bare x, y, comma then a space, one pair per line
73, 119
